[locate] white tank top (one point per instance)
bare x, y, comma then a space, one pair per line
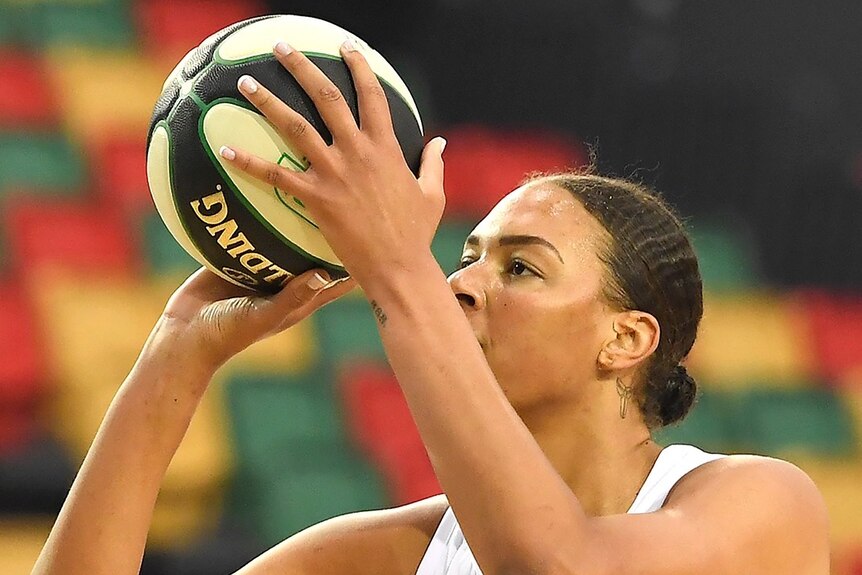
449, 554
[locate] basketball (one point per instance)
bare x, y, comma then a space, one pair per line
247, 232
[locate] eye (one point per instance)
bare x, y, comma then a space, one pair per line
519, 268
465, 261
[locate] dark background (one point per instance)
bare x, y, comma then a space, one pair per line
741, 112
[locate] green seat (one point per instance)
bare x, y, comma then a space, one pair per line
35, 162
727, 256
810, 421
448, 244
298, 495
709, 425
103, 24
279, 418
295, 467
348, 331
163, 253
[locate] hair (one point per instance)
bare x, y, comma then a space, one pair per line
651, 267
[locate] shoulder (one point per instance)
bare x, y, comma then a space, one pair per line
768, 497
380, 541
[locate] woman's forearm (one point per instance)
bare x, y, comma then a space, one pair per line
102, 527
495, 475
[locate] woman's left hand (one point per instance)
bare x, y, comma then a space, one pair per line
376, 215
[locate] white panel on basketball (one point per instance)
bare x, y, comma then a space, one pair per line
159, 175
229, 124
309, 35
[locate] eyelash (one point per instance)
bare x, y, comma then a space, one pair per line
510, 269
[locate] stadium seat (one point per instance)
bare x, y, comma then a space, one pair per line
838, 481
813, 421
483, 165
106, 94
295, 466
348, 331
301, 493
37, 162
726, 255
22, 374
834, 325
448, 244
751, 337
72, 234
276, 417
119, 173
710, 425
381, 425
170, 28
291, 352
21, 540
95, 326
95, 23
24, 73
164, 256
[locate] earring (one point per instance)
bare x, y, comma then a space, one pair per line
625, 392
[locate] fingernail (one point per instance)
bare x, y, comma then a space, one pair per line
442, 143
317, 282
247, 84
283, 48
226, 153
349, 45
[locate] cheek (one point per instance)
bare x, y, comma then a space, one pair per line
560, 338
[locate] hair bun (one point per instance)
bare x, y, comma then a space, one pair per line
678, 395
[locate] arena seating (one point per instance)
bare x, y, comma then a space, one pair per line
311, 423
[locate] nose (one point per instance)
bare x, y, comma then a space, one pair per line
466, 284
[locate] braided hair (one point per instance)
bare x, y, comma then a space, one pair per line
651, 266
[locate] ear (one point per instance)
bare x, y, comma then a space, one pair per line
636, 337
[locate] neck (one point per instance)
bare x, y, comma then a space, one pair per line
603, 458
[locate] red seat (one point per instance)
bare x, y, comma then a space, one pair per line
170, 28
835, 330
21, 362
79, 235
27, 98
483, 165
379, 420
119, 172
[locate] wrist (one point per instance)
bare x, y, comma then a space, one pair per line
174, 350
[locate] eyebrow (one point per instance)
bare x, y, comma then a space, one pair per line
518, 240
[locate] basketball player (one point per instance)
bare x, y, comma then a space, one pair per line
535, 376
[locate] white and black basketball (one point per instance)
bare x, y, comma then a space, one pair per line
245, 231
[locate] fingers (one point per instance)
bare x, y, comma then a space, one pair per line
374, 115
303, 295
431, 171
324, 93
289, 123
269, 172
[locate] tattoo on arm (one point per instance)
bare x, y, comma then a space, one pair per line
378, 313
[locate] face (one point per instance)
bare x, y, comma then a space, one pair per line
530, 284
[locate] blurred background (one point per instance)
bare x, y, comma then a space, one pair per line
746, 115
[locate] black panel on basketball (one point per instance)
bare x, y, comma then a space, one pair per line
243, 230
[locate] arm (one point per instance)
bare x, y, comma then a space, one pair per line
366, 543
515, 510
110, 505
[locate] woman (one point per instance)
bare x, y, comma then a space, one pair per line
534, 375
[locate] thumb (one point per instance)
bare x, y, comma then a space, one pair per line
299, 291
431, 171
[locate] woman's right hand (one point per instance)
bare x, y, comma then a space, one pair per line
214, 320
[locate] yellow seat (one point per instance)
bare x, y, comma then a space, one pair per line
751, 338
94, 330
21, 540
105, 92
839, 481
